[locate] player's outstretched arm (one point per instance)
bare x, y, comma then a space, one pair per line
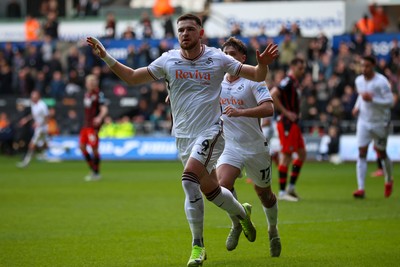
129, 75
259, 72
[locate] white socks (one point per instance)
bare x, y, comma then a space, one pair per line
361, 172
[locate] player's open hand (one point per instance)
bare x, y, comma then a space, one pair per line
270, 53
97, 46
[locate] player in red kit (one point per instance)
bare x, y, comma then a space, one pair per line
95, 111
286, 100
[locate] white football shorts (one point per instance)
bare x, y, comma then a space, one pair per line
39, 137
258, 166
377, 132
206, 148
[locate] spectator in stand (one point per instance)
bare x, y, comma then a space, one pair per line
147, 25
379, 18
41, 83
169, 30
57, 86
33, 57
358, 43
50, 26
236, 30
284, 30
54, 64
124, 128
8, 52
110, 26
287, 51
13, 9
6, 134
108, 128
5, 78
71, 125
26, 82
52, 125
131, 58
32, 28
47, 49
365, 25
129, 33
93, 7
295, 30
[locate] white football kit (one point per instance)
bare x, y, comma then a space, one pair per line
194, 87
245, 144
374, 117
39, 112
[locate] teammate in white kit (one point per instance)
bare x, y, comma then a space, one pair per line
244, 103
193, 75
373, 105
39, 114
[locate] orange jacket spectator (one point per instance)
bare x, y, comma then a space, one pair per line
162, 7
379, 18
365, 25
32, 28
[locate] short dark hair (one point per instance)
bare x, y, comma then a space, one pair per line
237, 44
190, 17
297, 60
371, 59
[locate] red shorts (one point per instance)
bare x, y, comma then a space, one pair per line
89, 136
291, 140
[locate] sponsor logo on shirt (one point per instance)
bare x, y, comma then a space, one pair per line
231, 101
181, 74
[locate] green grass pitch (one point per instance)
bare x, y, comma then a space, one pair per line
134, 217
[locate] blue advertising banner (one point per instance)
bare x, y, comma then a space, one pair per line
381, 43
137, 148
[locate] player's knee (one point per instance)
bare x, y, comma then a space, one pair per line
381, 154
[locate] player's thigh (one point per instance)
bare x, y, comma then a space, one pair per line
364, 135
206, 149
259, 169
380, 137
93, 138
39, 136
229, 167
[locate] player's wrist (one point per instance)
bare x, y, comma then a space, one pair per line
109, 60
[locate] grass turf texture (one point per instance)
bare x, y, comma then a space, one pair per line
134, 217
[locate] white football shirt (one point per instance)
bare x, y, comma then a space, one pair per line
39, 113
378, 110
244, 133
194, 87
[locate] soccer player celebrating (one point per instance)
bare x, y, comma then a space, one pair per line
244, 103
193, 75
373, 105
95, 112
286, 100
39, 114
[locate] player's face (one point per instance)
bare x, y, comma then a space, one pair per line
35, 97
230, 50
367, 68
189, 34
91, 84
299, 70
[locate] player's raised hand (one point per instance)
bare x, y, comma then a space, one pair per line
97, 46
99, 50
270, 53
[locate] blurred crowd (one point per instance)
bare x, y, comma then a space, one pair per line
57, 69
